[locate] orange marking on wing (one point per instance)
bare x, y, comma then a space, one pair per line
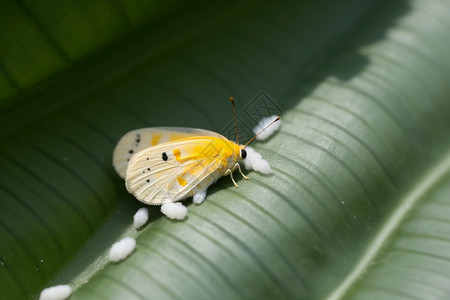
181, 181
177, 154
155, 139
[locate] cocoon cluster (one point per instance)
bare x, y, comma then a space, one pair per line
175, 210
268, 131
254, 161
122, 249
57, 292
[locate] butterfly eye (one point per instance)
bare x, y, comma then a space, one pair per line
243, 154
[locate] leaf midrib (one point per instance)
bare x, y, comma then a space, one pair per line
410, 199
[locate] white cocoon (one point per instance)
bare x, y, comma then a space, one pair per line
122, 249
199, 196
263, 123
140, 217
57, 292
174, 210
254, 161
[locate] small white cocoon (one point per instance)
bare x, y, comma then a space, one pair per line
263, 123
254, 161
57, 292
140, 217
174, 210
199, 197
122, 249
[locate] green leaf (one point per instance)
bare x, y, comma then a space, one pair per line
357, 208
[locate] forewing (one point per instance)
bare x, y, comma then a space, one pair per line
169, 172
140, 139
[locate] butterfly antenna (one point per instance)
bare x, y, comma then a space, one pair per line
234, 118
277, 119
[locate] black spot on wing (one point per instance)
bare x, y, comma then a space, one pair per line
138, 139
164, 156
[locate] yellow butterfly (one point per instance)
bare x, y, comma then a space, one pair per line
168, 164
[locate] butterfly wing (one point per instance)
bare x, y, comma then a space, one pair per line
140, 139
172, 171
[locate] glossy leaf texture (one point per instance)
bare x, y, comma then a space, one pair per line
357, 208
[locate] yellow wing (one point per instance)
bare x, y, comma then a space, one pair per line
175, 170
140, 139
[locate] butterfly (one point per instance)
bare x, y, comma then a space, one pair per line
167, 164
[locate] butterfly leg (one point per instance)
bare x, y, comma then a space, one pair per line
240, 171
229, 172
